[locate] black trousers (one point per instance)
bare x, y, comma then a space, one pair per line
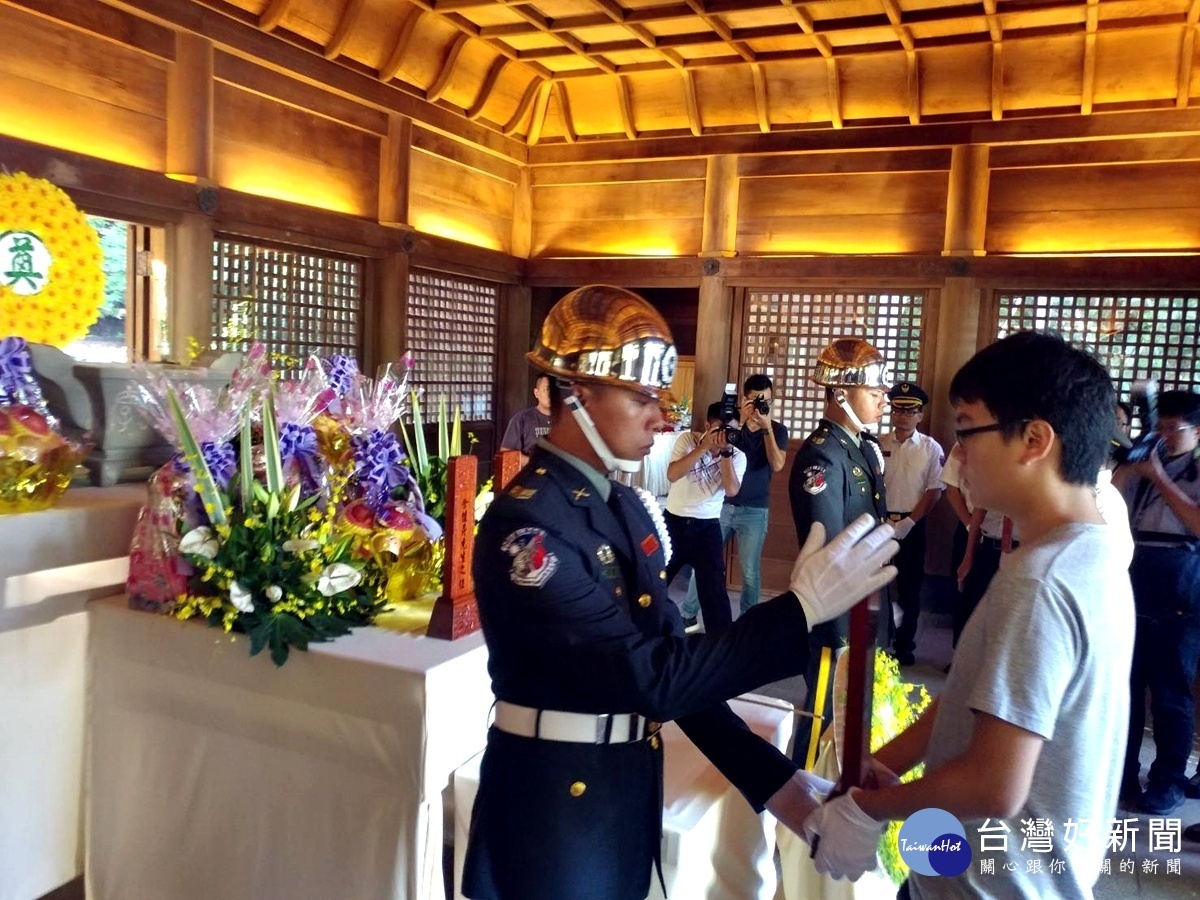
910, 562
697, 543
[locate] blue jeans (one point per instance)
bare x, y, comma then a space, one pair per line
749, 523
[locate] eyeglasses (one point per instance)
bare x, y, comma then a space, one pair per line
961, 433
1164, 429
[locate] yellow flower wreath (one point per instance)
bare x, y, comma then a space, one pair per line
69, 301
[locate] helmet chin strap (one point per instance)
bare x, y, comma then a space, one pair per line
588, 427
839, 397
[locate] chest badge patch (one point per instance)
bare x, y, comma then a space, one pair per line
650, 544
523, 493
605, 554
532, 563
858, 473
814, 480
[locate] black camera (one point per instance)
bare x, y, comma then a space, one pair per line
729, 416
762, 405
1145, 403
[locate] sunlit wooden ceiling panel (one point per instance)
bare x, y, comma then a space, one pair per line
874, 87
658, 102
956, 81
726, 97
1043, 73
798, 92
1125, 73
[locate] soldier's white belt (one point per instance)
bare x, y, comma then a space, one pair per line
577, 728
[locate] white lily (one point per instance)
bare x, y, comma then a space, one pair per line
274, 592
200, 541
337, 578
240, 598
297, 545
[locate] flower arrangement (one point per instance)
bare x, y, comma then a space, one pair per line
51, 275
290, 513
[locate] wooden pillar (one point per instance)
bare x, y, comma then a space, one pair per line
390, 336
190, 110
190, 277
516, 377
719, 236
714, 332
394, 152
967, 201
522, 221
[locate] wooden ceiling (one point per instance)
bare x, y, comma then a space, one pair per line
553, 71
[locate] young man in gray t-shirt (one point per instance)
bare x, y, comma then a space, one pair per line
1025, 744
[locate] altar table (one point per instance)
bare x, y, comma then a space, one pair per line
51, 562
715, 847
214, 774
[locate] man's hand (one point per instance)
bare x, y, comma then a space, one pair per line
753, 416
830, 579
797, 799
903, 527
849, 842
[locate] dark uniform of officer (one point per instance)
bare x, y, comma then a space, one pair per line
834, 480
588, 654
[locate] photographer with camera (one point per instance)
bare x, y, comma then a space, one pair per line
705, 470
1161, 486
764, 442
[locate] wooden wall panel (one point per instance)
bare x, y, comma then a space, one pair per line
655, 98
1091, 209
267, 148
1042, 73
633, 219
726, 97
884, 212
805, 84
595, 105
955, 80
74, 91
456, 202
874, 86
1125, 70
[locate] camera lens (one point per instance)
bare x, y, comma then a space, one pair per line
763, 406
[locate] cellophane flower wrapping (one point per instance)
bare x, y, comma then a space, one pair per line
36, 460
300, 519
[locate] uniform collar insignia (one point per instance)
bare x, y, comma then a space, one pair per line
580, 493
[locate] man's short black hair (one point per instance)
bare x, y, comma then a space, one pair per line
1037, 375
540, 375
757, 382
1180, 405
714, 412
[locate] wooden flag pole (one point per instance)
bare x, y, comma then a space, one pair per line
455, 613
860, 682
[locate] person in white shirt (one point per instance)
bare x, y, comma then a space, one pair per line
911, 473
705, 469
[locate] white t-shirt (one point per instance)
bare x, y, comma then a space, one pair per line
911, 468
993, 522
699, 493
1048, 650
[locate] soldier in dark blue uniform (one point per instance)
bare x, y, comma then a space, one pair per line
836, 477
588, 654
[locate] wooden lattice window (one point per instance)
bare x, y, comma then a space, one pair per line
1135, 335
784, 331
298, 303
452, 334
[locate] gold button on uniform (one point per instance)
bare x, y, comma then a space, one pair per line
644, 601
618, 590
876, 496
653, 726
577, 788
654, 742
662, 574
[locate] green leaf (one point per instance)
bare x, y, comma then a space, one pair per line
443, 443
271, 447
419, 435
456, 434
207, 487
272, 505
260, 494
408, 449
293, 500
247, 461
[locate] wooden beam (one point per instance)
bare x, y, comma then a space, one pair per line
721, 30
400, 50
539, 112
863, 162
485, 90
435, 90
914, 87
967, 201
344, 29
1187, 53
394, 167
997, 82
190, 110
1095, 153
693, 107
719, 229
564, 111
273, 14
522, 220
1088, 92
518, 116
892, 8
835, 91
626, 107
104, 21
440, 144
760, 98
805, 21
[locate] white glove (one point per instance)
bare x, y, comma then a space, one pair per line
830, 579
796, 800
903, 527
849, 838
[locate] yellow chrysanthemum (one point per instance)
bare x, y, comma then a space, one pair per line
67, 305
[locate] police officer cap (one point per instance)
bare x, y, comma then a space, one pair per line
603, 334
907, 395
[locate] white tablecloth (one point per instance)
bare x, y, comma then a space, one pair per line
216, 775
715, 847
51, 562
